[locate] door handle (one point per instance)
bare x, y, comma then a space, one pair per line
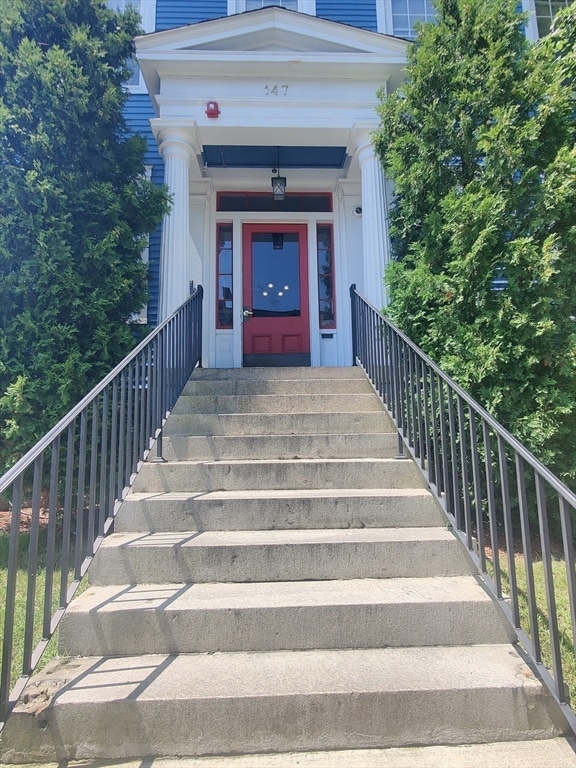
247, 312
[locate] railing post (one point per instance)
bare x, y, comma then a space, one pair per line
199, 329
354, 323
159, 363
397, 398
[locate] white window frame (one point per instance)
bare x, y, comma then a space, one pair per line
529, 7
386, 26
384, 17
304, 6
532, 32
147, 12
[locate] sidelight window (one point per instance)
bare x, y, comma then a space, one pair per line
224, 258
326, 289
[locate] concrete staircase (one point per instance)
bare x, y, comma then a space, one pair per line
284, 588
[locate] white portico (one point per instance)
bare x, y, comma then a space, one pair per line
240, 100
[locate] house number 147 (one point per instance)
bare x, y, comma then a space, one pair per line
276, 90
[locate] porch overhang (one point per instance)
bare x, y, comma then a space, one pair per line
280, 78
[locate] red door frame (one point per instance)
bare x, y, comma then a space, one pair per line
289, 336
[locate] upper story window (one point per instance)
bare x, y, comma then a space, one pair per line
252, 5
545, 12
399, 17
304, 6
147, 11
406, 14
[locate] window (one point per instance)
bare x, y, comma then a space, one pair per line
256, 202
251, 5
545, 12
304, 6
224, 258
406, 13
325, 258
147, 11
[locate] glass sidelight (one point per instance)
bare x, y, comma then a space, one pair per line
326, 285
224, 259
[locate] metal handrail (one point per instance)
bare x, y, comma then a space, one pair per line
72, 482
496, 495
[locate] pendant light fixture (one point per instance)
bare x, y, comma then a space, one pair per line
278, 182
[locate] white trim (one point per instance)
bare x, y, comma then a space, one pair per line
384, 17
528, 6
226, 33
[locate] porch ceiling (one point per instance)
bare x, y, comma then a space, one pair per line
285, 158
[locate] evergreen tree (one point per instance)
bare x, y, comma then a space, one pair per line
75, 209
480, 145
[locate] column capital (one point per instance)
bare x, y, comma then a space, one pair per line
174, 142
365, 151
360, 142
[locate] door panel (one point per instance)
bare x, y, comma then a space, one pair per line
276, 327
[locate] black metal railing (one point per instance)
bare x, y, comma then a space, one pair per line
70, 486
513, 515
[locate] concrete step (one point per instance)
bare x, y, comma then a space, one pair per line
277, 475
228, 447
204, 618
541, 753
283, 386
368, 422
287, 403
299, 555
273, 374
238, 703
277, 510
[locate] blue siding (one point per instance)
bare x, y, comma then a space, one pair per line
360, 13
178, 13
138, 112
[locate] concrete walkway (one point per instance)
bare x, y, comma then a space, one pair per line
551, 753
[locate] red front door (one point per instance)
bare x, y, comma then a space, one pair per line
276, 328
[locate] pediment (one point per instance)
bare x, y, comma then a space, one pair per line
270, 29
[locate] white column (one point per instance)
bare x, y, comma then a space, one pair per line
174, 255
376, 246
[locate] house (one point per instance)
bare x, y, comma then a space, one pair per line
259, 116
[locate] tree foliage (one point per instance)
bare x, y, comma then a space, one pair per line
480, 145
75, 209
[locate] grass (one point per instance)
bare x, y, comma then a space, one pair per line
21, 601
560, 580
20, 620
